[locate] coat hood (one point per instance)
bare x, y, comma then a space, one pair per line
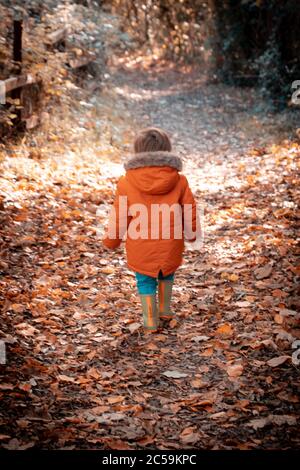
153, 172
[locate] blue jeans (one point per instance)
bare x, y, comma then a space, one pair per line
147, 284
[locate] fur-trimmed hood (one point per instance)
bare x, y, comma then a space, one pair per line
153, 172
159, 158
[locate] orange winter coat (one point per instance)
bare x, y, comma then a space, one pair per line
154, 241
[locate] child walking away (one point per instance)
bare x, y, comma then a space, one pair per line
155, 208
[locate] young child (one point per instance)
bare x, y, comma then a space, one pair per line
153, 187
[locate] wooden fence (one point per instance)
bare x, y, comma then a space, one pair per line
27, 87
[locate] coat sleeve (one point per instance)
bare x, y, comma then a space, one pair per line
191, 221
118, 219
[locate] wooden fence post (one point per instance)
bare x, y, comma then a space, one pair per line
17, 45
17, 55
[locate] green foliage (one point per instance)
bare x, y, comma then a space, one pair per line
259, 43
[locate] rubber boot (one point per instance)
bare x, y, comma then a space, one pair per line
150, 314
164, 299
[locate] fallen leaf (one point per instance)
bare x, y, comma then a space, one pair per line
278, 319
263, 272
26, 387
258, 423
174, 374
115, 399
207, 352
5, 386
277, 361
279, 293
66, 378
25, 329
221, 414
173, 323
117, 444
198, 339
108, 270
133, 327
243, 304
189, 436
106, 418
279, 420
146, 440
197, 383
15, 444
234, 370
225, 330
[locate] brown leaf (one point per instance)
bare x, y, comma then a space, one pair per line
279, 293
146, 440
208, 352
107, 418
115, 399
263, 272
94, 373
243, 304
197, 383
15, 444
5, 386
66, 378
189, 436
25, 329
278, 319
279, 420
26, 387
117, 444
234, 370
258, 423
225, 330
173, 323
277, 361
108, 270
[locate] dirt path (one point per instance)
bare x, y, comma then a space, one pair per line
80, 372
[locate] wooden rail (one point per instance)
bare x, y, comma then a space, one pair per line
82, 61
15, 84
57, 36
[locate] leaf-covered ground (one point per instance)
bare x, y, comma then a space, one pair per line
80, 373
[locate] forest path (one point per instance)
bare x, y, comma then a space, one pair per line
80, 367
